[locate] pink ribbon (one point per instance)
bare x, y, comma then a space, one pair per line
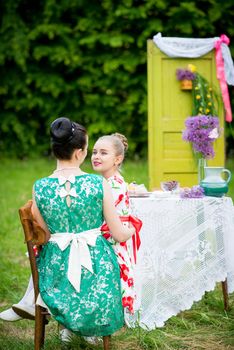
221, 75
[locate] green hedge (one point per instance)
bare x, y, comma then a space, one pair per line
87, 60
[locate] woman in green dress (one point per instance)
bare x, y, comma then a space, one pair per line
79, 278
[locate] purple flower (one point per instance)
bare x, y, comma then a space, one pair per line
169, 185
185, 193
198, 131
197, 192
194, 192
185, 74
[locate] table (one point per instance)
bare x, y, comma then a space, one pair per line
187, 246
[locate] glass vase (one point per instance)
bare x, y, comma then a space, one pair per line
201, 170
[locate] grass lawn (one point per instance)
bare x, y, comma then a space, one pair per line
205, 326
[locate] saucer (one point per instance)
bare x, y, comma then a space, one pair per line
161, 194
139, 194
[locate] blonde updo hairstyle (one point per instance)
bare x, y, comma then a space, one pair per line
119, 142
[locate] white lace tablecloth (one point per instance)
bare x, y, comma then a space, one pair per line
187, 245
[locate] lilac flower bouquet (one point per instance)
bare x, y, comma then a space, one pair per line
202, 131
185, 74
194, 192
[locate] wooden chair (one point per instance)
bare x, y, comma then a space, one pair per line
35, 235
225, 295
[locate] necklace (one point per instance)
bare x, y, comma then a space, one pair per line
65, 168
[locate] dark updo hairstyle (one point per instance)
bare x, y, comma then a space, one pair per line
66, 136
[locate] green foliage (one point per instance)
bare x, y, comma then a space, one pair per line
203, 97
87, 60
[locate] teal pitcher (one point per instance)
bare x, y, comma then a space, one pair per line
213, 183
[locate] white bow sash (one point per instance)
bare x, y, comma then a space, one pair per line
79, 252
64, 193
62, 179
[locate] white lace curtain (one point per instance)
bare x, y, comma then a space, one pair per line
192, 48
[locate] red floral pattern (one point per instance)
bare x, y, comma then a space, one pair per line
120, 194
127, 199
124, 270
130, 282
35, 251
120, 198
118, 179
128, 303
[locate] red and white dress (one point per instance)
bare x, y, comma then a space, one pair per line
124, 251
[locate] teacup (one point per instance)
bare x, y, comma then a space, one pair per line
170, 186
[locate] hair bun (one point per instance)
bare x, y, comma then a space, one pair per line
61, 130
123, 139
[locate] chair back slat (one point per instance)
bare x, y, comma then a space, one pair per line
26, 220
33, 234
32, 231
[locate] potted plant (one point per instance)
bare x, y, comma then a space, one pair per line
186, 77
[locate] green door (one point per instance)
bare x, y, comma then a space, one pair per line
171, 158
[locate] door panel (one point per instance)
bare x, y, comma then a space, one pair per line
171, 158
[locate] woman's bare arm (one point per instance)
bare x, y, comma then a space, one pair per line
119, 232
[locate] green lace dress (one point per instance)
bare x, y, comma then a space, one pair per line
97, 309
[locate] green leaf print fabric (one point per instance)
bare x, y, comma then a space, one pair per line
97, 308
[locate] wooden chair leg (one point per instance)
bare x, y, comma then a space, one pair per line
40, 322
225, 295
106, 342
